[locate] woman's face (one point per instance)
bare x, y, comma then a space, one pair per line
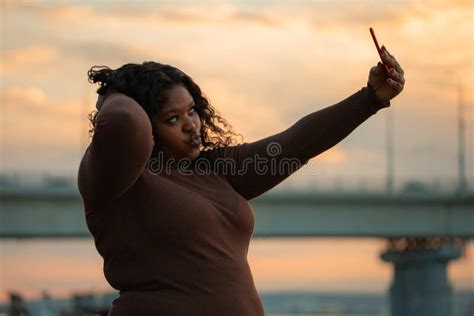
177, 127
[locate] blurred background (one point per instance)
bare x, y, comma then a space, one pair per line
263, 65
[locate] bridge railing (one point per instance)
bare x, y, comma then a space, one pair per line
297, 182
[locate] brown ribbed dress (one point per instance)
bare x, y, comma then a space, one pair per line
174, 242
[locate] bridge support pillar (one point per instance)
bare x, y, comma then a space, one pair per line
420, 286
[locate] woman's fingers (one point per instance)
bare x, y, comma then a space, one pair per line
397, 86
377, 70
393, 73
397, 76
393, 63
387, 86
396, 72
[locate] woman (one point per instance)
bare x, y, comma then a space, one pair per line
175, 237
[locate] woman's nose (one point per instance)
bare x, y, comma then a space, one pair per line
189, 126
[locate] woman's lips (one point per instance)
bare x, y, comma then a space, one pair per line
195, 140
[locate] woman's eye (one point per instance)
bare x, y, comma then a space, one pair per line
171, 120
175, 118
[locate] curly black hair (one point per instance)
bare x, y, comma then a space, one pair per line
148, 84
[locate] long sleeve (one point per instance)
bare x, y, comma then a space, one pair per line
120, 149
261, 165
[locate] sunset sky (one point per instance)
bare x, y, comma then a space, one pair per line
263, 65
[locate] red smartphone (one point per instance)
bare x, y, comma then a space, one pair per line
385, 67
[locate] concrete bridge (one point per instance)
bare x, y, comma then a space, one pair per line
425, 230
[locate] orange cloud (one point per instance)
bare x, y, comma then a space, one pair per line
158, 14
67, 12
27, 58
34, 101
248, 116
33, 124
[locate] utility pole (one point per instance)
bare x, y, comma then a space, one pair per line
461, 141
390, 153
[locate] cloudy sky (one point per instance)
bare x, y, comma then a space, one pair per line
263, 65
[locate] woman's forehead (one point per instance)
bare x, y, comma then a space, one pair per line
178, 98
178, 93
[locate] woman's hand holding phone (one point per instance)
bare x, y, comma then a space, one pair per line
387, 78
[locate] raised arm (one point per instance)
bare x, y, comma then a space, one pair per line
261, 165
120, 148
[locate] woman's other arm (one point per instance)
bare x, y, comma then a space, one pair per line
121, 146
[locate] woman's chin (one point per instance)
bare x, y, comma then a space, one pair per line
194, 154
